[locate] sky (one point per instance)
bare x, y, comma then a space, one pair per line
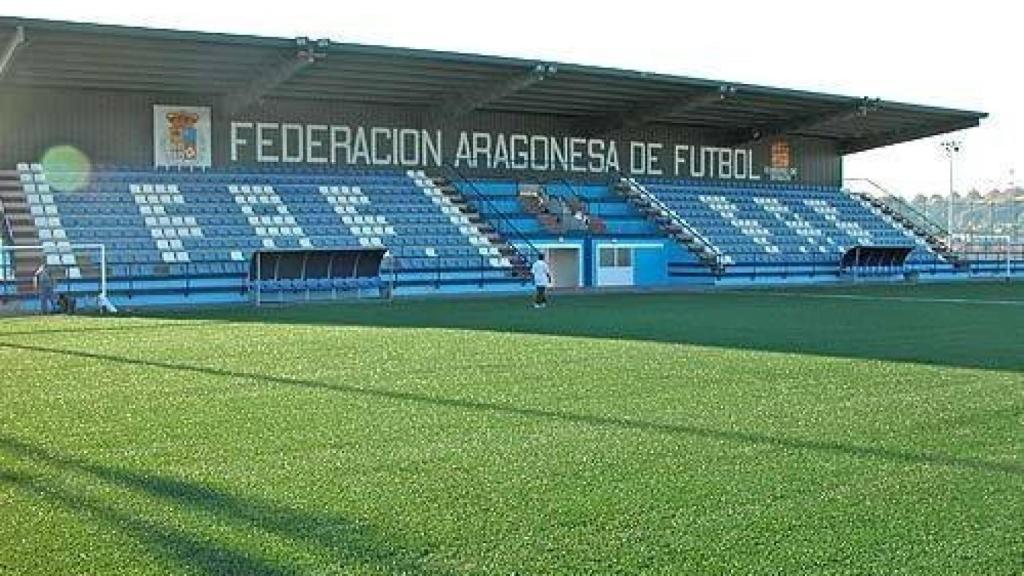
959, 55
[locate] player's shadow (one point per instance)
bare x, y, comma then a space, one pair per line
342, 543
958, 335
690, 430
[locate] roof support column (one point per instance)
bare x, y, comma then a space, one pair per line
857, 109
15, 43
466, 103
306, 55
655, 111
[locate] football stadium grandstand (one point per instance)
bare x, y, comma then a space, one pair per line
860, 412
164, 167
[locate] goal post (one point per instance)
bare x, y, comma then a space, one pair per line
79, 270
990, 247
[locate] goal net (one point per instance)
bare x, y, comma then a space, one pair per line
33, 278
993, 253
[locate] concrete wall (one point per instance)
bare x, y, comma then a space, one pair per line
117, 128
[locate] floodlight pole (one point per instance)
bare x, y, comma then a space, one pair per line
1009, 248
103, 271
1014, 227
951, 148
259, 278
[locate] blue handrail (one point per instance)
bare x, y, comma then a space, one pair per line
480, 196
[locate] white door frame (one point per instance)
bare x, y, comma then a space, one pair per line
634, 246
547, 246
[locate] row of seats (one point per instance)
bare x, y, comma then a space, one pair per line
748, 185
199, 269
215, 220
793, 224
302, 284
153, 217
118, 181
498, 200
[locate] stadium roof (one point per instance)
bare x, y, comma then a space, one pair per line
244, 69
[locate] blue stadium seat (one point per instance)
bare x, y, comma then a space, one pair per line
782, 225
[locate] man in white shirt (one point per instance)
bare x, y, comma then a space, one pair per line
541, 280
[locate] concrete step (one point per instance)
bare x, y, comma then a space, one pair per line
456, 198
26, 267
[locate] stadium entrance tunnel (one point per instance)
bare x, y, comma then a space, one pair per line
281, 275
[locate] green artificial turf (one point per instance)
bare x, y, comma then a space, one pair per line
845, 431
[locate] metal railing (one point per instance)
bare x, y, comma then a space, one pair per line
590, 212
6, 259
999, 261
996, 259
6, 268
493, 209
754, 264
425, 272
434, 271
6, 228
916, 217
556, 206
131, 280
678, 220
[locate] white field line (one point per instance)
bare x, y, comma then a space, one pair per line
909, 299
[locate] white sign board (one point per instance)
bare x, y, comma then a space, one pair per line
181, 136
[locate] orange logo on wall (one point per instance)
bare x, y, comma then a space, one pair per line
780, 167
780, 154
183, 134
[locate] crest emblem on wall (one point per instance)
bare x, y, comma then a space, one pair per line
181, 136
781, 167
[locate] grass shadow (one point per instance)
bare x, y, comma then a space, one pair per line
944, 334
173, 545
734, 436
346, 542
